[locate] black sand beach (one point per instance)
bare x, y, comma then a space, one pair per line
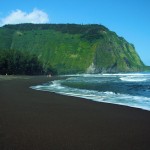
36, 120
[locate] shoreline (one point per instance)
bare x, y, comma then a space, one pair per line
32, 119
73, 94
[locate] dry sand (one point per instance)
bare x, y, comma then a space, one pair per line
36, 120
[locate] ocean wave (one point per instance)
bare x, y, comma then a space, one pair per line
106, 97
110, 75
133, 79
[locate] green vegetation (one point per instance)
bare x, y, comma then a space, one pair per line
70, 48
15, 62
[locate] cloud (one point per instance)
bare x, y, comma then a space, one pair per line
18, 16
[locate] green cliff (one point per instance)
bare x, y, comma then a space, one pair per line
72, 48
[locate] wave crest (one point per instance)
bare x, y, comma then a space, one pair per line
133, 79
99, 96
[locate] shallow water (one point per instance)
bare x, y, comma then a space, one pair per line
131, 90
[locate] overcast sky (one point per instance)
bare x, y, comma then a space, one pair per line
128, 18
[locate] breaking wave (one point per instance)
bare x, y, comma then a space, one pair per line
131, 90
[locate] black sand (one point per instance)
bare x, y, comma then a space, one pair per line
36, 120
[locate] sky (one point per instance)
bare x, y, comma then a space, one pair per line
128, 18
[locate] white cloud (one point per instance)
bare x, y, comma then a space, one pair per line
18, 16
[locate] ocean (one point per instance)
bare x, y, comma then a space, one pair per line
131, 90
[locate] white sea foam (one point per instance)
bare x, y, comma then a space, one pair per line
133, 79
106, 97
109, 75
127, 74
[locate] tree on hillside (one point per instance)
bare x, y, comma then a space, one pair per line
23, 63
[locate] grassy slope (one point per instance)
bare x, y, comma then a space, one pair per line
5, 38
64, 52
74, 52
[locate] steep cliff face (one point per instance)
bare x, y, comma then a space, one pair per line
115, 54
71, 48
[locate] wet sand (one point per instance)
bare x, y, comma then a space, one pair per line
37, 120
